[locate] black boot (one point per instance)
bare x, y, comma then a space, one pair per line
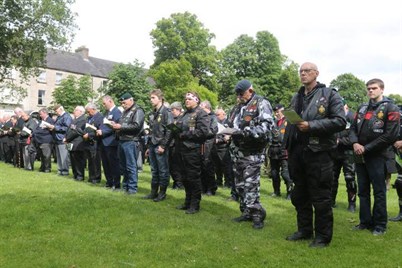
352, 207
242, 218
162, 194
186, 204
258, 221
154, 192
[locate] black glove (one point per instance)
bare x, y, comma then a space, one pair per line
184, 135
238, 134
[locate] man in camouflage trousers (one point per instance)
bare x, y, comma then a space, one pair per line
252, 119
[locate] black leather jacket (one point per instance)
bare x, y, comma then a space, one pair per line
323, 109
376, 126
132, 123
194, 124
158, 120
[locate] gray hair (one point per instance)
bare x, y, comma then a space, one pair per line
43, 110
91, 106
206, 104
80, 108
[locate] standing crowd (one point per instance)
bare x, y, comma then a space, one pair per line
200, 149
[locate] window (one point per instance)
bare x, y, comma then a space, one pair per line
59, 77
41, 97
42, 77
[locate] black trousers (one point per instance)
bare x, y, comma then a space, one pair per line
111, 165
78, 162
223, 166
190, 166
372, 173
346, 163
174, 166
94, 164
208, 168
312, 174
279, 167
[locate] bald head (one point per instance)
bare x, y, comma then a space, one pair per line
308, 75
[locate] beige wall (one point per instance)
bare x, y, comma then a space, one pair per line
30, 103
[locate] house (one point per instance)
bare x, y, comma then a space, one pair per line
59, 65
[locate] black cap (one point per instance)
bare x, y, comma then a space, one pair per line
125, 96
278, 106
242, 86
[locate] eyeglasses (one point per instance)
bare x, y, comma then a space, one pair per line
372, 88
306, 70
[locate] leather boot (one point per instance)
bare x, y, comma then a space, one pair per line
162, 194
154, 192
186, 204
258, 221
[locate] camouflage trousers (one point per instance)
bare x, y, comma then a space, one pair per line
247, 180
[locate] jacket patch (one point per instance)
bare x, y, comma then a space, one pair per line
393, 116
368, 115
378, 124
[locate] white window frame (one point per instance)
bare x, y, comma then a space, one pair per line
41, 97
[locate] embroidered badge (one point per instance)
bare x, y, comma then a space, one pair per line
321, 110
378, 124
380, 115
247, 118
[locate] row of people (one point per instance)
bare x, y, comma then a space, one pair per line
184, 143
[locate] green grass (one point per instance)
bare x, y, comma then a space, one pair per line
51, 221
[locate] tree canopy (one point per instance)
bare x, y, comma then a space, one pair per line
73, 92
260, 61
130, 78
182, 38
27, 28
351, 88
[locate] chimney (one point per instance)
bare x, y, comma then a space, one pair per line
83, 51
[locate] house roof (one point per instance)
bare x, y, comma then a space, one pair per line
78, 63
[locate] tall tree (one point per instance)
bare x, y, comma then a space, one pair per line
258, 60
175, 79
72, 92
396, 98
288, 84
182, 36
28, 27
131, 78
351, 88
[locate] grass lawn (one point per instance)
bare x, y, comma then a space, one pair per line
52, 221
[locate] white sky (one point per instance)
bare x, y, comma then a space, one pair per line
344, 36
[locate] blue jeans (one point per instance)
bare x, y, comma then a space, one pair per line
159, 166
128, 165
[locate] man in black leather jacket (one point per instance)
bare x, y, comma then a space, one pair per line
343, 160
128, 130
158, 146
194, 128
309, 142
373, 132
